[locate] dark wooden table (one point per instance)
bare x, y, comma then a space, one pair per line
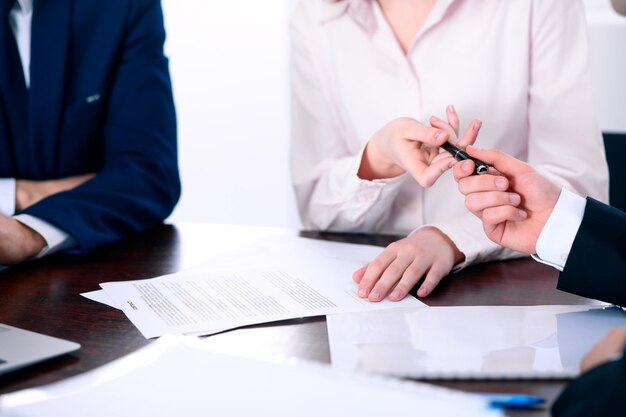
44, 296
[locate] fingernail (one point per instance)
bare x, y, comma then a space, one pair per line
501, 183
362, 292
423, 292
437, 136
375, 295
451, 109
466, 166
515, 199
395, 295
477, 125
523, 214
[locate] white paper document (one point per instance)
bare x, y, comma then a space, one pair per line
177, 376
289, 278
470, 342
100, 296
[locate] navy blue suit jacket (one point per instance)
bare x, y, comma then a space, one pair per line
596, 265
100, 101
596, 268
599, 392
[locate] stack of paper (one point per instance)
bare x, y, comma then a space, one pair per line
280, 279
177, 376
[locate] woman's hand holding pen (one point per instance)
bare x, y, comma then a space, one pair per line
427, 252
406, 145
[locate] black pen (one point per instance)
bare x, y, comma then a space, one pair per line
460, 155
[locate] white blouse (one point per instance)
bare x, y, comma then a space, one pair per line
520, 66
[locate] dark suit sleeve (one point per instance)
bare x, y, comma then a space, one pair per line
596, 266
599, 392
139, 184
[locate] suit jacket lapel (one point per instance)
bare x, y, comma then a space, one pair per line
49, 47
14, 100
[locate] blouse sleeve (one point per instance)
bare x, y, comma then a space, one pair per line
565, 142
329, 193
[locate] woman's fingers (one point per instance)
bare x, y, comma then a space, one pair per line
357, 276
470, 135
427, 174
435, 274
452, 127
374, 270
453, 119
410, 129
437, 123
392, 275
410, 278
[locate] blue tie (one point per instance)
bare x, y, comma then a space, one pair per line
13, 91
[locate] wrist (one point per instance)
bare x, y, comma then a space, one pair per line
374, 166
18, 242
22, 194
33, 242
458, 256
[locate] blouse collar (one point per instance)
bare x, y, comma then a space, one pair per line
362, 12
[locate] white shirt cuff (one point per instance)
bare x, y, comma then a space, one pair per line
557, 237
56, 239
7, 196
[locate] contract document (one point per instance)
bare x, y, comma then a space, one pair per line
284, 279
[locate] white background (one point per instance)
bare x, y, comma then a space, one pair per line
229, 65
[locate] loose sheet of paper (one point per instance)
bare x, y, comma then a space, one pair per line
470, 342
287, 278
177, 376
100, 296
